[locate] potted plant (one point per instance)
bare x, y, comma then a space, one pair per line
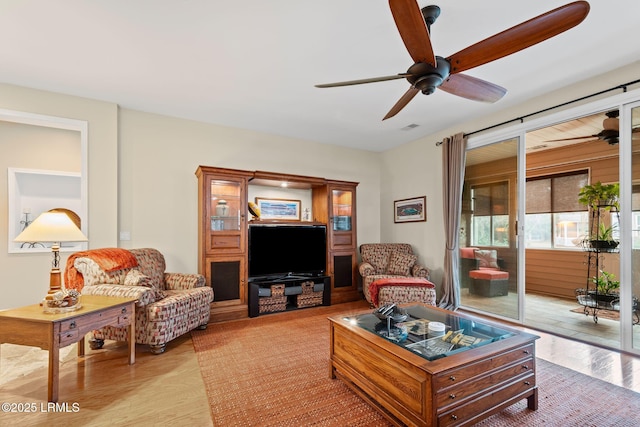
606, 287
604, 238
600, 195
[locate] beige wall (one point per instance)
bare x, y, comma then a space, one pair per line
158, 187
24, 278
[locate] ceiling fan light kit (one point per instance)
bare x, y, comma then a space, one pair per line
430, 72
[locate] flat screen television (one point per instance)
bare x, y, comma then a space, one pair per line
280, 250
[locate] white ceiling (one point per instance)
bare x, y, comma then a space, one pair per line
253, 64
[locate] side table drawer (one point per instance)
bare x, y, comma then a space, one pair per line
458, 375
124, 320
68, 337
113, 316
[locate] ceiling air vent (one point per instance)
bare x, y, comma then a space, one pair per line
411, 126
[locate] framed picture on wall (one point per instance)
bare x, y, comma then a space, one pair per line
282, 209
410, 210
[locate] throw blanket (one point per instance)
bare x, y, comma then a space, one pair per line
400, 281
109, 259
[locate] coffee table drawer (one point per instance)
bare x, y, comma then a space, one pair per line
455, 376
467, 411
483, 384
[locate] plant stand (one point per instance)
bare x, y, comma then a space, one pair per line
590, 297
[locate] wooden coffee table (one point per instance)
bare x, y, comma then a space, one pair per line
31, 326
416, 380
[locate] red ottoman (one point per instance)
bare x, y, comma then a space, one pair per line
489, 283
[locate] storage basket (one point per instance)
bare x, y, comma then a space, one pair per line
276, 302
309, 299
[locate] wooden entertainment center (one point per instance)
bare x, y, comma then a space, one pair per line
223, 233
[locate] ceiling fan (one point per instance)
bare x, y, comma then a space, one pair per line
610, 130
430, 72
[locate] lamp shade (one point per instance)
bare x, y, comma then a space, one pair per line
51, 227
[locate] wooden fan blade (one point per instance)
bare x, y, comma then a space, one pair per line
402, 102
473, 88
413, 30
520, 37
362, 81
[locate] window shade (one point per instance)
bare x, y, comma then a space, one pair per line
538, 196
635, 198
491, 199
556, 194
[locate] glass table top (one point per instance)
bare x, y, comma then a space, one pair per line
450, 333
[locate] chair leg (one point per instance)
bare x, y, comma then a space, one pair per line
158, 349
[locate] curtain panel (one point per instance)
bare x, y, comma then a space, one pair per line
453, 162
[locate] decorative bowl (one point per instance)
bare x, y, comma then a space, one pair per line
62, 301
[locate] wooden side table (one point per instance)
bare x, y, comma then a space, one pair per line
31, 326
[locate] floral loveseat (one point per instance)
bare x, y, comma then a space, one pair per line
169, 304
397, 275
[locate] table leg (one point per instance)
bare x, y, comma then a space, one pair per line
54, 371
532, 401
131, 333
81, 347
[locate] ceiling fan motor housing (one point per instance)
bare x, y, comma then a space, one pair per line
426, 78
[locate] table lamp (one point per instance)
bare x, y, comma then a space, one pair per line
55, 228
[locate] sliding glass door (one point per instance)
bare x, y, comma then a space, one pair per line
523, 227
630, 219
488, 241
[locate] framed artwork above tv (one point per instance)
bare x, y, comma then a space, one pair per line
282, 209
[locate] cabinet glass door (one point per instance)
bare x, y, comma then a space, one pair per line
225, 205
342, 203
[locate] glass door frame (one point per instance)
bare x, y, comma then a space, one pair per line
626, 227
486, 140
624, 102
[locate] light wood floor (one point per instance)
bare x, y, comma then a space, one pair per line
168, 389
554, 315
157, 390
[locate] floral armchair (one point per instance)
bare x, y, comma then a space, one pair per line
169, 304
392, 261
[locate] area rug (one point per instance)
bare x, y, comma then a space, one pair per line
274, 371
19, 360
602, 314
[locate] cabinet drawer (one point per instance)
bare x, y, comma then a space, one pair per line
455, 376
343, 239
482, 384
225, 241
